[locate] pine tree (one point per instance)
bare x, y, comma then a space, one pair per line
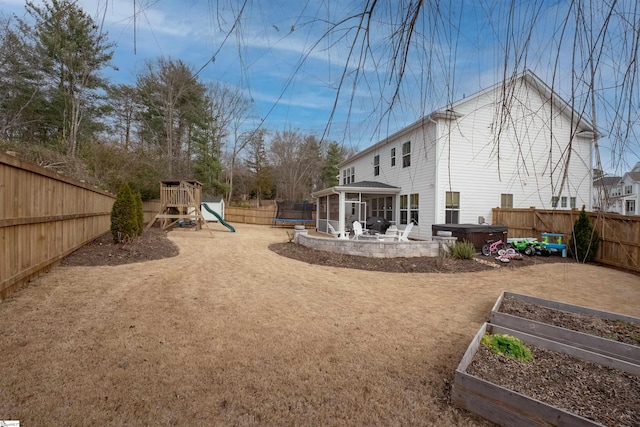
124, 225
583, 244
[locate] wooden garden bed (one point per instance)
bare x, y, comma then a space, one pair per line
610, 334
563, 385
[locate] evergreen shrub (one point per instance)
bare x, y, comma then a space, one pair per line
584, 240
124, 224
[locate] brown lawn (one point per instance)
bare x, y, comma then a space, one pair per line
230, 333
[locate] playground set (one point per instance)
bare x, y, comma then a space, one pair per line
181, 203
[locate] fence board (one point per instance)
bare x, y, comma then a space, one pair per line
44, 216
619, 244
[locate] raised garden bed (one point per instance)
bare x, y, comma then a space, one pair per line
562, 386
619, 335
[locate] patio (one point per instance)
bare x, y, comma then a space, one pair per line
373, 247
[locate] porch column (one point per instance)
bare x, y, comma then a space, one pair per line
341, 214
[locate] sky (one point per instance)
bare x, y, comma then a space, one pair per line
294, 59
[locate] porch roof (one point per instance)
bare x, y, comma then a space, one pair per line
368, 187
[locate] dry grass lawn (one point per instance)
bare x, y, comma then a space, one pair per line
230, 333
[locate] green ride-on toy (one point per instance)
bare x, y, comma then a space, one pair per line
529, 246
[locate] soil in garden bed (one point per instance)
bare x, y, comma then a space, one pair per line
615, 330
605, 395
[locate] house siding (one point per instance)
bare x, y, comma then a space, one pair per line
473, 149
482, 160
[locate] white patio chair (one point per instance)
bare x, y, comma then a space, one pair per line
404, 237
332, 230
357, 230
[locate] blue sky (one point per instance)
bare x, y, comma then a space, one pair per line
282, 58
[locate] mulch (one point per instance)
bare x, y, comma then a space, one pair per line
154, 244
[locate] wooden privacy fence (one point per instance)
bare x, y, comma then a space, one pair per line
45, 216
257, 215
619, 234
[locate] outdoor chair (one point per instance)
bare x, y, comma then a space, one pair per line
332, 230
404, 237
357, 230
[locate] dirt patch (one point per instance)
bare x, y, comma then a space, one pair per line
407, 265
606, 328
152, 245
605, 395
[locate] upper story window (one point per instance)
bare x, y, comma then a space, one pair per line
554, 201
628, 189
563, 202
506, 201
393, 156
406, 154
376, 165
349, 175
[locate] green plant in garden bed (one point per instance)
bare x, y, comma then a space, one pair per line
507, 345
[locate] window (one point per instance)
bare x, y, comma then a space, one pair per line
404, 211
406, 154
414, 207
572, 202
452, 207
630, 207
554, 201
349, 175
628, 189
393, 157
506, 201
382, 207
563, 202
409, 208
376, 165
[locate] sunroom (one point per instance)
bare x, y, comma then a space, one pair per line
338, 207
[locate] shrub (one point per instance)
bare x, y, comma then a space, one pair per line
507, 345
583, 243
462, 250
139, 212
124, 225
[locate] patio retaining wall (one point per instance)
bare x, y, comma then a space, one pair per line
374, 248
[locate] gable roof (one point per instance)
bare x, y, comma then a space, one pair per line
634, 176
584, 126
607, 181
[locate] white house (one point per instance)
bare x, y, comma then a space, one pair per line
516, 144
603, 189
625, 196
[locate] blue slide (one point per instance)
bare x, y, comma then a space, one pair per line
229, 226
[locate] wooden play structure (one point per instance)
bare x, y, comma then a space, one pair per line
180, 202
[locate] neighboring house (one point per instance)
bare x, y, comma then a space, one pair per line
515, 144
603, 193
625, 196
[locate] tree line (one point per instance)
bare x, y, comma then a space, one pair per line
57, 109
